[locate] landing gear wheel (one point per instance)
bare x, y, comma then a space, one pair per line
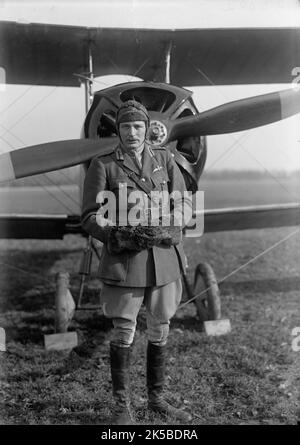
208, 304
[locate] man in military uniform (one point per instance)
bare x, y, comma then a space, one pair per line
137, 266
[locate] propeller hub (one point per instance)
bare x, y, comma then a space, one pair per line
157, 133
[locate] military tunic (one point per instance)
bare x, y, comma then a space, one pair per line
152, 267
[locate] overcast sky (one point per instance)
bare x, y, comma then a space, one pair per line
156, 13
36, 114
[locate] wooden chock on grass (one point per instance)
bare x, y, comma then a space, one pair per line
217, 327
58, 342
64, 303
64, 312
2, 340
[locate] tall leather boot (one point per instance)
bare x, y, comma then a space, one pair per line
156, 364
119, 365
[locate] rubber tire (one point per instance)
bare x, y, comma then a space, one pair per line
209, 303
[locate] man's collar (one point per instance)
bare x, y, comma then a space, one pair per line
127, 160
119, 153
132, 153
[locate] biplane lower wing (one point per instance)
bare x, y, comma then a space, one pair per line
251, 217
15, 226
19, 226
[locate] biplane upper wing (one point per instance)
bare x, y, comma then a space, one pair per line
43, 54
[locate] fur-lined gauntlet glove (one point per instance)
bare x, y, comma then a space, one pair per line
138, 238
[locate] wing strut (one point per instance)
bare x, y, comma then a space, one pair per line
168, 61
85, 268
90, 80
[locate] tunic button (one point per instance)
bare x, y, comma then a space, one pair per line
143, 179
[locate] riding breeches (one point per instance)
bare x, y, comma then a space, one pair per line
122, 305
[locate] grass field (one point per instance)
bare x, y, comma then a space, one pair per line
250, 376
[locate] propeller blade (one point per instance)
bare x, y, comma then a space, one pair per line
51, 156
239, 115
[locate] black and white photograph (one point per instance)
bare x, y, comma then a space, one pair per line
149, 215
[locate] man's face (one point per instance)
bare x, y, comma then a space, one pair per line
132, 134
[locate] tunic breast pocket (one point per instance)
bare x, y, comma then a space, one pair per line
122, 186
124, 190
160, 179
121, 183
